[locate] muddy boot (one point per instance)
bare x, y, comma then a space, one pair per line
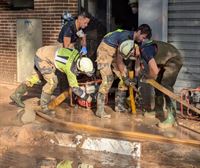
120, 101
170, 121
17, 95
44, 101
159, 104
100, 106
171, 112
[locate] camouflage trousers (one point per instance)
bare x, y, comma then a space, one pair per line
45, 69
106, 64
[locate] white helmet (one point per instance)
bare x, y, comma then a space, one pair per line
85, 65
126, 47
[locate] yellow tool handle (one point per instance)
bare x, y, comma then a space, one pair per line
58, 100
131, 94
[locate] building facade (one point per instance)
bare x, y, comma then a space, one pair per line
175, 21
47, 12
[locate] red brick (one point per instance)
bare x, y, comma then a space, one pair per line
47, 10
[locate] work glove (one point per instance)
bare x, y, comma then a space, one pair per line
83, 51
129, 82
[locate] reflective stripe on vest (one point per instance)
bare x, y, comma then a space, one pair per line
60, 59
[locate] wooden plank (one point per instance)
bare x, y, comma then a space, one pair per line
82, 128
58, 100
171, 94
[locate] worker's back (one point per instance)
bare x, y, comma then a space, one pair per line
165, 51
47, 52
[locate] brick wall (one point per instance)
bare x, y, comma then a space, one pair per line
48, 10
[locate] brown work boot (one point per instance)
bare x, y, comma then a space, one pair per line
100, 106
17, 95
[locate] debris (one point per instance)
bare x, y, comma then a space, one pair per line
113, 146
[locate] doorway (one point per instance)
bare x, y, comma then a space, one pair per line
108, 15
111, 13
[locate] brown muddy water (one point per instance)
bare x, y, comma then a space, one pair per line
26, 148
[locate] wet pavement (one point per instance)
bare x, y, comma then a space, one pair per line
10, 115
153, 154
122, 122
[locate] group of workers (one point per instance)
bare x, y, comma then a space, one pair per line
160, 61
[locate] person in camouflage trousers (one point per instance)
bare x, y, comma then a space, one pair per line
47, 60
110, 59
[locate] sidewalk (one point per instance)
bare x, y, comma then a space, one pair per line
119, 121
18, 140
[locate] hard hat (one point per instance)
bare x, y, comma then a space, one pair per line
85, 65
126, 47
132, 1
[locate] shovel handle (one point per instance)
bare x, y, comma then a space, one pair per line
131, 94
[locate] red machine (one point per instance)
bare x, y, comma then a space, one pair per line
90, 87
192, 96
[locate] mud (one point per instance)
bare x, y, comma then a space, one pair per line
124, 122
31, 145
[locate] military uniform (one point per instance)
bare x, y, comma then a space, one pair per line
169, 61
106, 64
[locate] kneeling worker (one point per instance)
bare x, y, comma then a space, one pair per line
47, 60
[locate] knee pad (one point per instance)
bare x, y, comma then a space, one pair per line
106, 84
51, 85
54, 83
33, 80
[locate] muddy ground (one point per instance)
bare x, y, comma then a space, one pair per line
26, 140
